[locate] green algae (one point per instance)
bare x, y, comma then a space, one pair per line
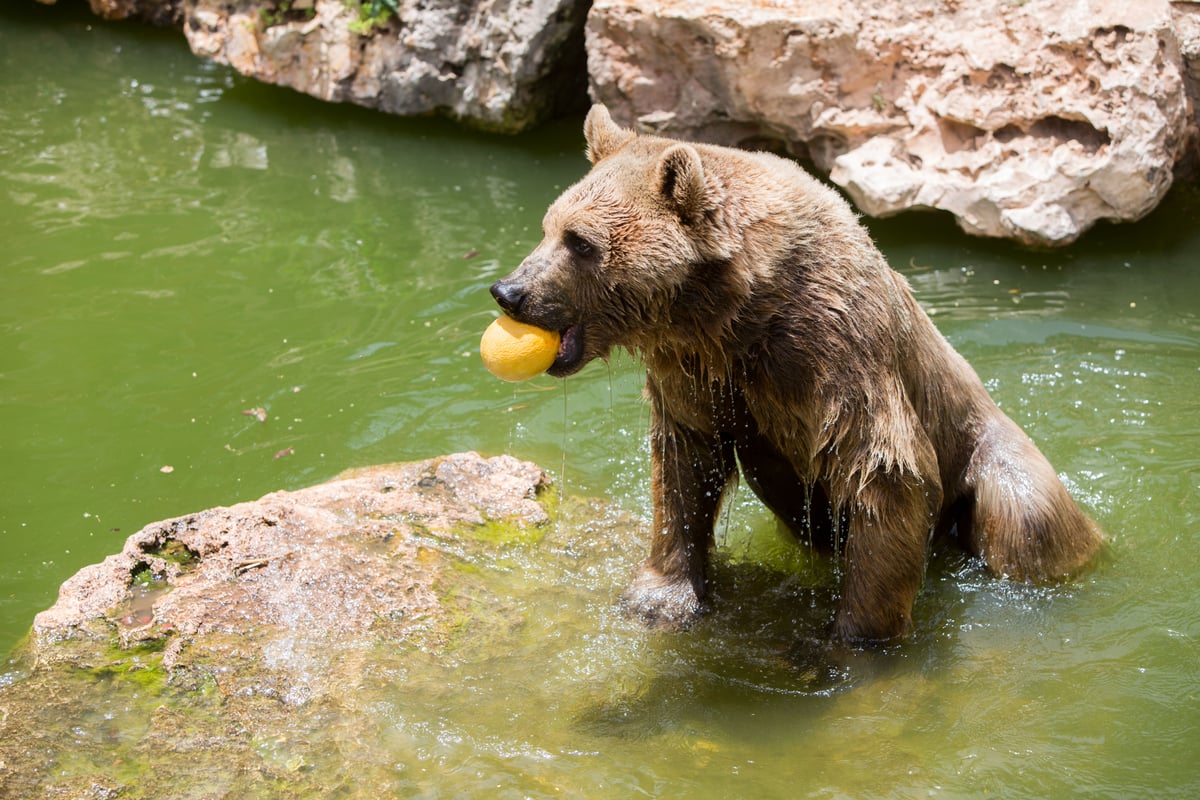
176, 552
504, 533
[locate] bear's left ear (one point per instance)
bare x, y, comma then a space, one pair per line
681, 179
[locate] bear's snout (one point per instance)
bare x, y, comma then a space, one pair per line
510, 295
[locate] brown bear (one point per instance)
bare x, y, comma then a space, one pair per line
776, 336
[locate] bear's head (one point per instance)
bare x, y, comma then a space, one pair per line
622, 248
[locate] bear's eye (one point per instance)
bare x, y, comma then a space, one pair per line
578, 245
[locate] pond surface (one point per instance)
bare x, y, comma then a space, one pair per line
182, 246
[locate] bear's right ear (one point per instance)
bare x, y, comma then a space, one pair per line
604, 137
681, 180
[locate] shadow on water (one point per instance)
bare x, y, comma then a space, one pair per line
761, 646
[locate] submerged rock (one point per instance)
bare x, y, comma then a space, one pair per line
214, 636
450, 629
447, 628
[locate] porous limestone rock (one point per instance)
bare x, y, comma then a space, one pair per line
1186, 18
1029, 120
1026, 120
502, 65
334, 560
291, 646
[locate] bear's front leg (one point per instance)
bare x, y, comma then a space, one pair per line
690, 471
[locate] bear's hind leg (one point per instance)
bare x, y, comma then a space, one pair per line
1024, 523
890, 525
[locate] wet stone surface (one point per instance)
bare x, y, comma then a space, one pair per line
223, 651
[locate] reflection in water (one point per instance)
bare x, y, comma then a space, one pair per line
239, 150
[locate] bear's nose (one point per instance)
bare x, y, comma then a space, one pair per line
510, 295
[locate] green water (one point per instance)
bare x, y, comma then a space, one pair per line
180, 245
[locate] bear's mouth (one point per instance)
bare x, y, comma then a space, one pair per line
570, 352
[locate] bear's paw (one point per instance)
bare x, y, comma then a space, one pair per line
662, 602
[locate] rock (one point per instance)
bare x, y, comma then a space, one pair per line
502, 65
1186, 14
225, 653
166, 12
341, 556
1024, 120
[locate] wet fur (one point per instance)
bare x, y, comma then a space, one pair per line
776, 337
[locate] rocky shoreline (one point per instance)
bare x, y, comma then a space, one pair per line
1025, 120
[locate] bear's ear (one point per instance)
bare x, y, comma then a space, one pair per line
681, 179
604, 137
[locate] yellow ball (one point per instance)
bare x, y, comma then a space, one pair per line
514, 351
